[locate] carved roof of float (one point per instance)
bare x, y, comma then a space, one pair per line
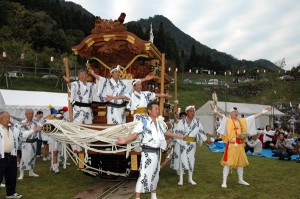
110, 38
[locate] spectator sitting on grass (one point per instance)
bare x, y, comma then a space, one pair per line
283, 131
296, 147
275, 137
254, 145
266, 136
282, 149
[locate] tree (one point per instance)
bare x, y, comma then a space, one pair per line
14, 49
193, 60
160, 39
182, 60
136, 29
280, 63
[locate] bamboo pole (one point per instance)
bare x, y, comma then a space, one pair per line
215, 101
70, 108
175, 92
162, 84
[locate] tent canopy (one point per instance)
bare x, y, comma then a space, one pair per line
205, 115
17, 101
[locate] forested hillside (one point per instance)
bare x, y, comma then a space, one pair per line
32, 31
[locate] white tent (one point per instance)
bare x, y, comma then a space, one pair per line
17, 101
205, 115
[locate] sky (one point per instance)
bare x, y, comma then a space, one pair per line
245, 29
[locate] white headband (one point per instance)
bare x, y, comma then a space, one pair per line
233, 109
113, 68
189, 107
135, 81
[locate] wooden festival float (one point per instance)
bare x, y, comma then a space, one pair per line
110, 44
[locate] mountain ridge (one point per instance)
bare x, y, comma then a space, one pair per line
185, 41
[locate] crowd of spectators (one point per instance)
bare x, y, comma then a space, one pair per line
283, 144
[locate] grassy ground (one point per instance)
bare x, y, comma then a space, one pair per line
33, 84
50, 185
268, 178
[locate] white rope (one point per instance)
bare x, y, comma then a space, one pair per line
94, 127
85, 136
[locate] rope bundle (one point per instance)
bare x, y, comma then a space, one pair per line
86, 137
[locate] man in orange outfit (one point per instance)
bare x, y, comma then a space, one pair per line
234, 132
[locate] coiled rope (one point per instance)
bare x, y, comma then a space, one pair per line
90, 139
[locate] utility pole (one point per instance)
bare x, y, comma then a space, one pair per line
35, 64
5, 76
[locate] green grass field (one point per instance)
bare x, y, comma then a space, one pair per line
268, 178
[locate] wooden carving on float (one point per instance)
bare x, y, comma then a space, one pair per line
112, 45
103, 25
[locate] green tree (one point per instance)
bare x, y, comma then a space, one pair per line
160, 39
14, 49
182, 60
136, 29
193, 60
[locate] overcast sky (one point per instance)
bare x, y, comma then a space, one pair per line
245, 29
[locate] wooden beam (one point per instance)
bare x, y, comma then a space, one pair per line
162, 85
175, 92
70, 107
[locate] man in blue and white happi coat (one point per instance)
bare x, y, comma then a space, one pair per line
139, 99
183, 157
81, 98
112, 91
29, 144
42, 137
9, 135
152, 139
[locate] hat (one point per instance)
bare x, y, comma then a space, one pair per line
65, 109
135, 81
52, 109
113, 68
233, 109
189, 107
